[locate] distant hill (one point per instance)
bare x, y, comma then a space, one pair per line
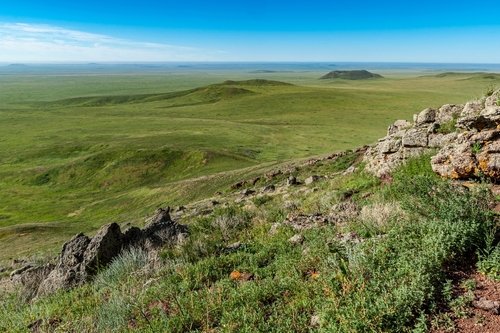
351, 75
266, 71
256, 82
203, 95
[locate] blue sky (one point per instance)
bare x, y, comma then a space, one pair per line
250, 30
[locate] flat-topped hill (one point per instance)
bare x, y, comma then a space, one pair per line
351, 75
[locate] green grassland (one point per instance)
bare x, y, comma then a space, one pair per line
79, 151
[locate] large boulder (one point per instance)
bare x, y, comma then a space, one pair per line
493, 99
82, 257
472, 108
426, 116
447, 112
398, 125
473, 151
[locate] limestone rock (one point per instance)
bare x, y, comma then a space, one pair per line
81, 257
349, 170
274, 228
31, 275
398, 126
161, 229
344, 212
289, 205
390, 146
305, 221
426, 116
312, 179
472, 109
415, 138
297, 239
440, 140
493, 99
492, 113
446, 112
247, 192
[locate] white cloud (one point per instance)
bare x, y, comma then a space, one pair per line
21, 42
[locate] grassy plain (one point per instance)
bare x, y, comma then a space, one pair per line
81, 150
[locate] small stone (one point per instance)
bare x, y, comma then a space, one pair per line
291, 181
487, 305
238, 276
315, 321
269, 188
312, 179
289, 205
349, 170
248, 192
234, 246
312, 190
297, 239
274, 228
365, 195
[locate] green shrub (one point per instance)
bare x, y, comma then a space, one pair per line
259, 201
449, 127
476, 147
121, 267
490, 90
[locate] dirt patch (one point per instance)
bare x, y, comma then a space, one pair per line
477, 320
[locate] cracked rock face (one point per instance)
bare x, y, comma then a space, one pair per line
474, 151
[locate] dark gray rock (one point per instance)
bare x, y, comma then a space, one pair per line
247, 192
82, 257
291, 181
269, 188
59, 278
73, 250
104, 246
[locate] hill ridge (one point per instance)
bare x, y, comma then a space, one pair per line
351, 75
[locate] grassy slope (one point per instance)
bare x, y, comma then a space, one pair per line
73, 163
391, 281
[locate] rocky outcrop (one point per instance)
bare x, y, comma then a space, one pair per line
476, 150
82, 257
404, 140
472, 150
